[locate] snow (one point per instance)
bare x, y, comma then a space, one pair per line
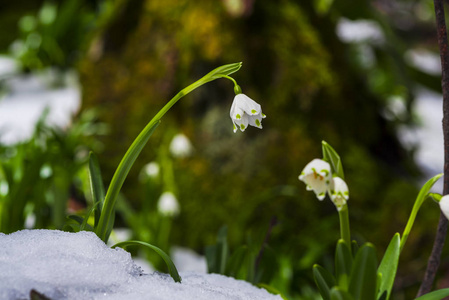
359, 31
187, 260
63, 265
427, 137
27, 96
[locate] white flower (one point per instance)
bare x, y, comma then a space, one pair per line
339, 192
180, 146
317, 177
151, 169
246, 111
444, 205
168, 204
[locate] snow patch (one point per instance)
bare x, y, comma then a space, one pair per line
63, 265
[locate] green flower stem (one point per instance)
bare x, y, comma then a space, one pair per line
344, 226
105, 223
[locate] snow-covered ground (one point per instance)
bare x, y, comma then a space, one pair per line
26, 98
63, 265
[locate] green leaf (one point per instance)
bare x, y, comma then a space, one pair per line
332, 157
324, 281
83, 225
35, 295
96, 185
217, 255
105, 224
363, 280
223, 249
355, 247
343, 264
418, 202
76, 218
388, 266
339, 294
235, 261
272, 290
435, 295
224, 70
211, 259
171, 266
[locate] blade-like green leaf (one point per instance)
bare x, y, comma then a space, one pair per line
105, 225
435, 295
235, 261
389, 265
76, 218
324, 281
363, 280
332, 157
171, 266
339, 294
355, 248
224, 70
343, 264
211, 259
418, 202
81, 223
96, 185
85, 225
223, 249
272, 290
35, 295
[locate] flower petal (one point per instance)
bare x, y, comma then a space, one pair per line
317, 177
444, 206
250, 106
339, 192
255, 121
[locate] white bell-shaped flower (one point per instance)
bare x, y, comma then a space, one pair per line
245, 111
168, 205
180, 146
444, 206
339, 192
151, 169
317, 177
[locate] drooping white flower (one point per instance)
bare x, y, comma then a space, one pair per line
180, 146
151, 169
317, 177
245, 111
168, 204
339, 192
444, 205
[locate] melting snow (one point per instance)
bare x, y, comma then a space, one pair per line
63, 265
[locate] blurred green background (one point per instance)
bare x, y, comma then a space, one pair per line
132, 56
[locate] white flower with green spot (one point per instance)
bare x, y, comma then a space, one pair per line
339, 192
317, 177
245, 111
444, 206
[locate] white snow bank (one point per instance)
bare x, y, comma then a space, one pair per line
28, 96
64, 265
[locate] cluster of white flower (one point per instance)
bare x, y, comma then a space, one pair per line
318, 177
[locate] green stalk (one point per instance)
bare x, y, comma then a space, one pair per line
106, 222
344, 226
